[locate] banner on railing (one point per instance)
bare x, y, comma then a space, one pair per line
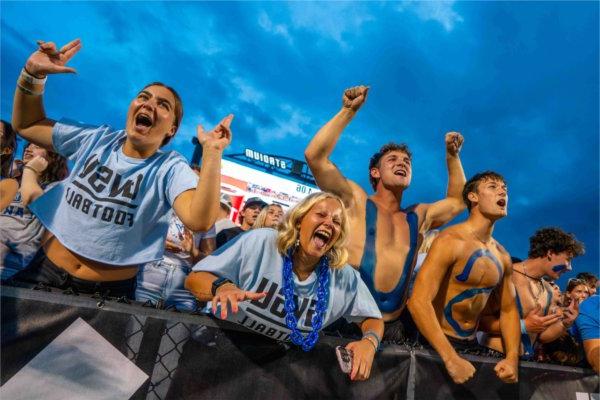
56, 346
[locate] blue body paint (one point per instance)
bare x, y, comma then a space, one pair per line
463, 277
560, 268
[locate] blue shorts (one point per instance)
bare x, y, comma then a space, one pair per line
162, 283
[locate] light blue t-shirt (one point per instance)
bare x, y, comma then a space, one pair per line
253, 263
112, 208
587, 323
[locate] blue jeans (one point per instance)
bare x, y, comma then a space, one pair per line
162, 281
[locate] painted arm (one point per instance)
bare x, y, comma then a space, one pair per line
439, 260
28, 117
592, 353
443, 211
30, 188
508, 368
198, 209
328, 176
8, 191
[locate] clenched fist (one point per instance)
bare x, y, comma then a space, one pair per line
355, 97
454, 142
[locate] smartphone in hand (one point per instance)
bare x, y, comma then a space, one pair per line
344, 357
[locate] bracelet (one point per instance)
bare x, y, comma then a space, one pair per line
31, 168
372, 341
27, 77
523, 327
373, 335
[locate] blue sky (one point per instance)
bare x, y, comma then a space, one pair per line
519, 80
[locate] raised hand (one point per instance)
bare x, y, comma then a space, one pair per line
355, 97
536, 322
38, 163
229, 293
570, 314
217, 139
507, 370
460, 370
454, 142
362, 360
48, 60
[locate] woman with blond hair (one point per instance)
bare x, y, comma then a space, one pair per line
306, 258
269, 217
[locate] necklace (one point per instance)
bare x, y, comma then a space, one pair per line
478, 238
530, 279
291, 321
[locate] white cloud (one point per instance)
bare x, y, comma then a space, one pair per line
247, 92
291, 123
440, 11
277, 29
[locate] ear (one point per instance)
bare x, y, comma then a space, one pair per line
549, 254
473, 197
375, 173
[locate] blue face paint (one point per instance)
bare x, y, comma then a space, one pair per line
560, 268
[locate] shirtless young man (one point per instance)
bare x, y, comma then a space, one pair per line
463, 266
384, 236
550, 253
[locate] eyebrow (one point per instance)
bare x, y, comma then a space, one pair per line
158, 97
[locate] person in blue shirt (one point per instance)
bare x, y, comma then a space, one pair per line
112, 213
587, 327
288, 284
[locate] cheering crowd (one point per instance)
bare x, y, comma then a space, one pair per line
132, 221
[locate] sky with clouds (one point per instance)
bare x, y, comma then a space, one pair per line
519, 80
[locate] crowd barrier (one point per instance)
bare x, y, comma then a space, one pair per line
59, 346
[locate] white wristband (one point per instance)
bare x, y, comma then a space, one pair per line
27, 77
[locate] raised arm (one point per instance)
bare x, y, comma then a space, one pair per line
198, 209
440, 258
30, 188
443, 211
28, 117
327, 175
508, 369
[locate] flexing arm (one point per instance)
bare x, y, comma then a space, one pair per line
8, 191
439, 260
442, 211
508, 369
28, 117
198, 209
327, 175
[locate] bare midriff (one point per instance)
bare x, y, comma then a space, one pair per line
83, 268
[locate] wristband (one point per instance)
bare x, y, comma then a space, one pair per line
217, 283
523, 327
27, 77
373, 335
370, 339
31, 168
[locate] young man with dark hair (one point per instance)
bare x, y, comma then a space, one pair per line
384, 235
551, 251
247, 216
464, 265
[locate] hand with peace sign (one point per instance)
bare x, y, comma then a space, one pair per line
48, 60
217, 139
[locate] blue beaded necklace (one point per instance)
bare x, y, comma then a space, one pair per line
308, 342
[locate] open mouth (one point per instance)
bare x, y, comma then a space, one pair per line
501, 202
143, 121
400, 172
322, 238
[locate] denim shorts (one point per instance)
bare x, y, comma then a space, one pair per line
162, 283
